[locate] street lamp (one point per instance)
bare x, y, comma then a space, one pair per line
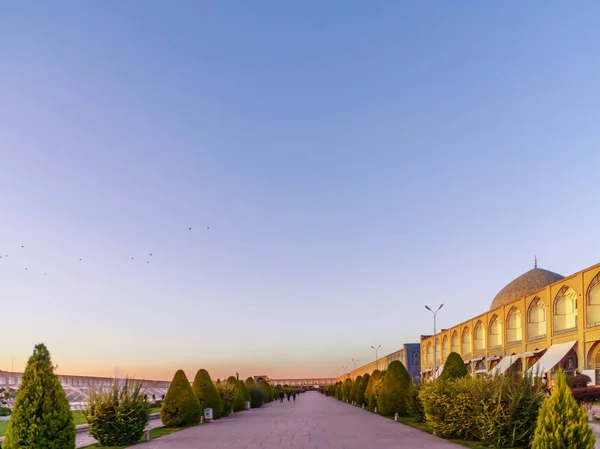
355, 362
376, 359
434, 332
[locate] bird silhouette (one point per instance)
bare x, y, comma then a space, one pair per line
190, 229
22, 246
150, 254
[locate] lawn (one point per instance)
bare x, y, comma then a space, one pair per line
78, 417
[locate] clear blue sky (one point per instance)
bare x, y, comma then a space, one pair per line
353, 160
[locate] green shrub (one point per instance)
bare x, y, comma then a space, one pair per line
181, 407
395, 390
239, 402
449, 407
207, 394
415, 406
256, 396
4, 411
250, 381
360, 391
354, 389
156, 404
372, 380
454, 367
244, 390
41, 418
562, 423
372, 402
268, 392
338, 391
227, 392
346, 389
117, 416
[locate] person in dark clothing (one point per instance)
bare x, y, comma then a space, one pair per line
294, 396
281, 396
288, 396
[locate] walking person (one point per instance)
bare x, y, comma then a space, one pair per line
281, 396
294, 396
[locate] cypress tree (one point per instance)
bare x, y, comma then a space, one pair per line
250, 381
362, 388
181, 407
207, 393
338, 391
395, 390
454, 367
41, 418
267, 390
562, 423
240, 401
346, 388
355, 385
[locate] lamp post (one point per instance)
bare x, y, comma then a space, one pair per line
376, 358
434, 332
344, 368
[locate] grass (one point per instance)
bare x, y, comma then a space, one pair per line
78, 418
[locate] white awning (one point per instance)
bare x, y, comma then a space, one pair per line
491, 359
467, 361
526, 354
438, 371
550, 359
503, 365
477, 359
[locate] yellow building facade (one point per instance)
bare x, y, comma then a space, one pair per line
538, 322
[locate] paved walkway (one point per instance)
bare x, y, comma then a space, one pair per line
312, 422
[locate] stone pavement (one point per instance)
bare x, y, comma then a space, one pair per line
312, 422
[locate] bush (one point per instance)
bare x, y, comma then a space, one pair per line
181, 407
454, 367
354, 389
244, 390
562, 423
500, 411
4, 411
346, 389
156, 404
207, 394
268, 392
117, 416
586, 395
394, 392
41, 418
227, 393
250, 381
372, 380
360, 391
256, 396
415, 406
580, 381
338, 391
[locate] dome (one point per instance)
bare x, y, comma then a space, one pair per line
525, 285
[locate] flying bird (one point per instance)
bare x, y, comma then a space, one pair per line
190, 229
150, 254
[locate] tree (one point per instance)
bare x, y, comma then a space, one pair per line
355, 385
41, 418
250, 381
207, 394
181, 407
362, 388
454, 367
562, 423
346, 388
267, 390
338, 391
395, 390
239, 402
256, 396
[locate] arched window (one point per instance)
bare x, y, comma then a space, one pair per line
429, 353
593, 302
479, 332
455, 343
495, 333
438, 351
445, 347
565, 310
536, 320
514, 330
466, 341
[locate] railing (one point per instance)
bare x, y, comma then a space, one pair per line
565, 331
537, 337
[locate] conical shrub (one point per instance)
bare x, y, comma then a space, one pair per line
395, 390
372, 380
244, 390
355, 385
181, 407
562, 423
250, 381
41, 418
362, 388
454, 367
239, 402
346, 389
207, 394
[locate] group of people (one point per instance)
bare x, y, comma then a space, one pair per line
282, 395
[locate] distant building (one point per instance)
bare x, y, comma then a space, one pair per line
409, 355
537, 323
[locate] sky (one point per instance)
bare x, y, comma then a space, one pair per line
341, 164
